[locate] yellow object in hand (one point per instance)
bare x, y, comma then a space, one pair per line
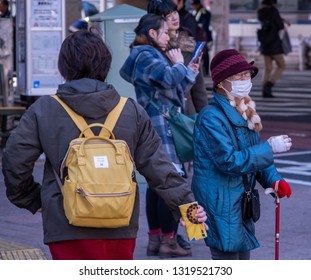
195, 229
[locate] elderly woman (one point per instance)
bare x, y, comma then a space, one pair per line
228, 152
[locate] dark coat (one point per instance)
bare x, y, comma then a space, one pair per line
272, 23
47, 128
197, 97
188, 22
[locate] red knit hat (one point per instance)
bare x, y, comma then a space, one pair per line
227, 63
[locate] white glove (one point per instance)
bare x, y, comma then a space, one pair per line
279, 144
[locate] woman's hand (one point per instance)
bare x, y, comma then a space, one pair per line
201, 215
175, 56
195, 64
280, 144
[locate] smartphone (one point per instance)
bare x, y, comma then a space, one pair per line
197, 51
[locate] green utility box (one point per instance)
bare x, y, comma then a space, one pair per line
117, 25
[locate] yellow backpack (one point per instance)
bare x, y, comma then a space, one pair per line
99, 187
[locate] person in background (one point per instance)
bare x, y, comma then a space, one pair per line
187, 20
271, 47
227, 147
84, 61
4, 9
180, 37
88, 10
204, 33
161, 78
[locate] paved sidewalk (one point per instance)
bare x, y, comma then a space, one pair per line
9, 251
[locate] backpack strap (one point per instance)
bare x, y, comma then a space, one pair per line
114, 114
80, 122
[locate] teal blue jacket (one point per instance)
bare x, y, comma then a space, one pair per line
219, 163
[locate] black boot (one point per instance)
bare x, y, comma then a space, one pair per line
267, 90
153, 244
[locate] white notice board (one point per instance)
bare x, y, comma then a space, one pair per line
45, 34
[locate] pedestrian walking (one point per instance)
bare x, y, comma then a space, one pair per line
46, 128
229, 157
271, 45
160, 78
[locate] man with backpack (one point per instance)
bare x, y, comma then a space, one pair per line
70, 229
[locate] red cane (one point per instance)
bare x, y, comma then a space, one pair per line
277, 220
277, 226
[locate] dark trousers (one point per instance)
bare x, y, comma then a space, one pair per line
219, 255
158, 214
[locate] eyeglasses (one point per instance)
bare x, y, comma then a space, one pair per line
171, 16
239, 76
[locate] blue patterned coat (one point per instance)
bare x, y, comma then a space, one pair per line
155, 79
218, 168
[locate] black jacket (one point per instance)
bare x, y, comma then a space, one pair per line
47, 128
197, 97
272, 23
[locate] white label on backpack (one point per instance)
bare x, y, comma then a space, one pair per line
101, 162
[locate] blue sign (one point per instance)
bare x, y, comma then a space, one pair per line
36, 84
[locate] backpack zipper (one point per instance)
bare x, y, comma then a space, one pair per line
83, 193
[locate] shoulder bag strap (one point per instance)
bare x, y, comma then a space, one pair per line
246, 184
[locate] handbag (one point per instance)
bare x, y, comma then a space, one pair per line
182, 127
286, 44
250, 202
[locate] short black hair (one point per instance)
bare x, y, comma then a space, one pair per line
161, 7
84, 54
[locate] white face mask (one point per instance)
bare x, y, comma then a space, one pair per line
240, 88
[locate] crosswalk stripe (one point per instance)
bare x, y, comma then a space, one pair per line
298, 182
